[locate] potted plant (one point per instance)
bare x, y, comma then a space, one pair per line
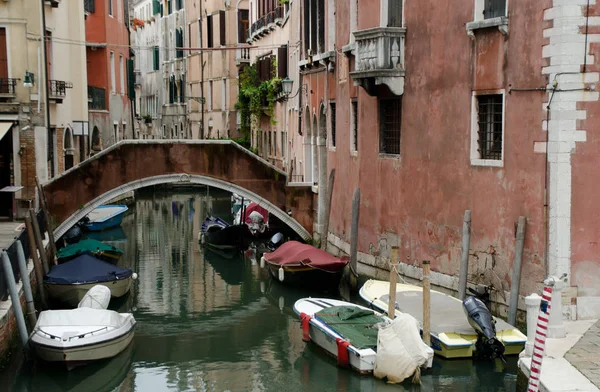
147, 119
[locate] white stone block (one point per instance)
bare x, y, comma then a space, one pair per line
588, 308
539, 147
579, 136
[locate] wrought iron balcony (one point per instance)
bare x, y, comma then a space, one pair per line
380, 59
58, 90
242, 55
7, 87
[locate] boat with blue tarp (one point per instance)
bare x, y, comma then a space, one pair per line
104, 217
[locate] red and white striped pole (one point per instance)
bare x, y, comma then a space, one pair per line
540, 340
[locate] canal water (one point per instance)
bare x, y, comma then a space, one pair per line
208, 323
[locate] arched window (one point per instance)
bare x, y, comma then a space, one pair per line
69, 151
96, 141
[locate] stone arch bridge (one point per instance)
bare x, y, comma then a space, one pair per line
133, 164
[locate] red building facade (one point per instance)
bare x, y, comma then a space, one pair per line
431, 110
109, 82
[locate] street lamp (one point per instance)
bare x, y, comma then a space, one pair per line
286, 85
28, 82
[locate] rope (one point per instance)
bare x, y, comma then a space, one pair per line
395, 268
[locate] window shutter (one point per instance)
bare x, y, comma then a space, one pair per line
156, 58
282, 57
179, 42
182, 89
222, 27
130, 79
209, 32
155, 7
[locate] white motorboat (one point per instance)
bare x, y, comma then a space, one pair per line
363, 339
89, 332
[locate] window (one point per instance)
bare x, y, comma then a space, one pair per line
243, 25
116, 131
390, 116
156, 58
354, 126
222, 28
282, 61
3, 60
179, 4
209, 31
283, 144
332, 119
119, 17
494, 8
210, 95
110, 7
169, 7
179, 42
113, 87
314, 25
182, 89
122, 74
488, 128
394, 13
224, 95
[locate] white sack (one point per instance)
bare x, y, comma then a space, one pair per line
400, 350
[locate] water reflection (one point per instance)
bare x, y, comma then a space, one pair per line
213, 322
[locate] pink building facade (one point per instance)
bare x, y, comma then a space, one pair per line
431, 111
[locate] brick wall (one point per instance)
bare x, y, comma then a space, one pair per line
60, 149
28, 164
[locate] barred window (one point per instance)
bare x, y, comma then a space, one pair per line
354, 125
494, 8
390, 116
489, 133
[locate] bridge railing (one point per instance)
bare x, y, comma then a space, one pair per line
12, 255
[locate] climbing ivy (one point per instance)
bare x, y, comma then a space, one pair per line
254, 96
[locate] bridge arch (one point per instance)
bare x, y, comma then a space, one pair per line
178, 179
133, 164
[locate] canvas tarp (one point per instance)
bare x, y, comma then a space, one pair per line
294, 253
86, 269
358, 326
86, 246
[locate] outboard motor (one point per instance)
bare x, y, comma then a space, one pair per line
275, 242
480, 318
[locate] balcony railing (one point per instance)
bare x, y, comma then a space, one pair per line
380, 58
58, 90
96, 98
279, 12
7, 87
242, 55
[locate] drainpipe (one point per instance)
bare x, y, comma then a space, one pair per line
46, 80
201, 79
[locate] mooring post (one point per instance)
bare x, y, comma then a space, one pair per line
464, 262
39, 241
556, 327
516, 272
14, 297
354, 231
393, 280
426, 303
533, 308
49, 227
26, 285
540, 339
327, 210
37, 266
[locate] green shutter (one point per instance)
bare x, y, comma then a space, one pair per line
182, 90
155, 7
156, 58
131, 79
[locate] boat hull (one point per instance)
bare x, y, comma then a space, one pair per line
306, 277
84, 353
363, 361
228, 238
72, 294
108, 224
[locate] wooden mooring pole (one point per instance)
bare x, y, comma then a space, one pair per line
426, 303
37, 266
49, 227
327, 210
464, 262
393, 281
38, 240
516, 272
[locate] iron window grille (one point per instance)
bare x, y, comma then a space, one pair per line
97, 98
390, 117
58, 88
89, 6
494, 9
490, 119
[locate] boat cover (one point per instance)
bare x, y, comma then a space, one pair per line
213, 221
98, 297
400, 350
294, 253
105, 212
253, 207
86, 246
80, 317
356, 325
86, 269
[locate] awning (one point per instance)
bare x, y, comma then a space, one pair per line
4, 128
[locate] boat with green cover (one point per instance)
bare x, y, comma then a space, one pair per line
92, 247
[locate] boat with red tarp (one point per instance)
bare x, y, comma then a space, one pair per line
302, 264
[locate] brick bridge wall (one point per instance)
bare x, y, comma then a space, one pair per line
136, 160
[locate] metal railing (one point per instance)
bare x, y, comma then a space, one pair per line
58, 88
12, 255
97, 98
279, 12
7, 86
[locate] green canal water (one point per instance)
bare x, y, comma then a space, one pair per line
207, 323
